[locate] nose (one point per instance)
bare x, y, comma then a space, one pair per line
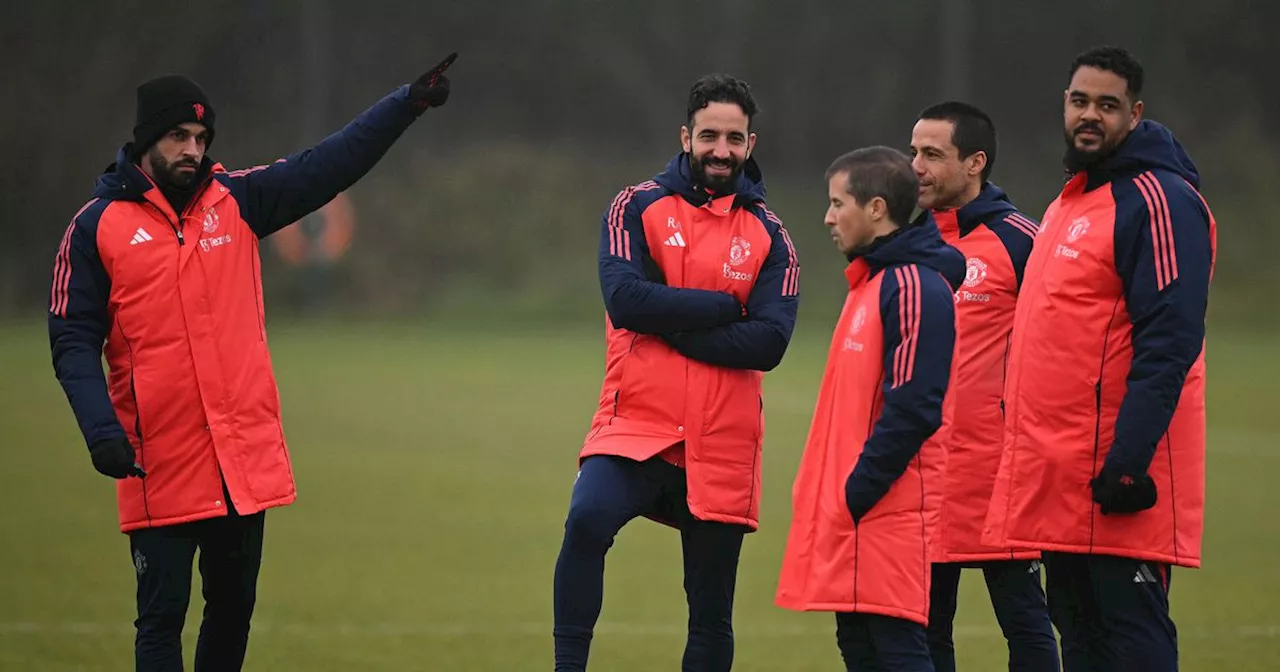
1091, 113
722, 149
917, 164
192, 147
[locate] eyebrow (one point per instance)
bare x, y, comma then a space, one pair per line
1103, 98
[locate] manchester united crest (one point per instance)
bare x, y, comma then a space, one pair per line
1079, 226
859, 319
210, 220
975, 271
739, 250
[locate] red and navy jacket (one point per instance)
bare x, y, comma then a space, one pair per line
700, 293
1151, 254
866, 495
174, 302
996, 240
918, 320
707, 325
1106, 364
991, 210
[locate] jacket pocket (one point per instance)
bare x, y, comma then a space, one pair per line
1097, 420
137, 415
651, 386
141, 455
735, 405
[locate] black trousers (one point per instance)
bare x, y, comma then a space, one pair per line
1020, 607
875, 643
230, 555
1112, 613
609, 492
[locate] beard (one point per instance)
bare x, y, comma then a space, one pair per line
1075, 159
170, 174
719, 184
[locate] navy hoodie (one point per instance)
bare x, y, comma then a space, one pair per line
1166, 305
912, 409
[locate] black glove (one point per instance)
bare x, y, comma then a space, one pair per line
115, 458
1123, 493
432, 88
855, 500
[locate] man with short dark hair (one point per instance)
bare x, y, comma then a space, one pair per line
700, 284
953, 148
1104, 443
162, 267
865, 500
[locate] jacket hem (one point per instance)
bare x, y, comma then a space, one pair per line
751, 524
205, 515
989, 556
853, 608
590, 449
641, 449
1190, 562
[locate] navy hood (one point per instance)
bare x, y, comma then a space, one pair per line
1150, 146
991, 205
918, 243
678, 177
124, 179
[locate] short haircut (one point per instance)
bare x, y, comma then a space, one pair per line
1112, 59
972, 130
880, 171
721, 88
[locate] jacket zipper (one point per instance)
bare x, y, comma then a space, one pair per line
177, 228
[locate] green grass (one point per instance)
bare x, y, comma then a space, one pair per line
434, 468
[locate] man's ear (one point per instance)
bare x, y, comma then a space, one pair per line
1135, 117
878, 208
686, 140
976, 163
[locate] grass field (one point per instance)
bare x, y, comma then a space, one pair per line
434, 469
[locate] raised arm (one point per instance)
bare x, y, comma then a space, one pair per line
276, 195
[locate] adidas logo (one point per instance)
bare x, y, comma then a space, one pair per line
1144, 575
140, 237
676, 240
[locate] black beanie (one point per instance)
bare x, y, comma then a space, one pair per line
166, 102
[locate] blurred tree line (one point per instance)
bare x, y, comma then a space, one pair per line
491, 206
